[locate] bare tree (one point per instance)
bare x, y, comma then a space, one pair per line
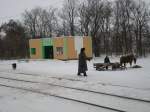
49, 22
85, 18
123, 24
115, 26
69, 15
105, 29
64, 28
140, 19
30, 20
96, 19
40, 22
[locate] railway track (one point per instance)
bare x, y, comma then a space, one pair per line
80, 80
68, 87
61, 97
79, 89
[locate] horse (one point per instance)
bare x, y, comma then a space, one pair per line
128, 59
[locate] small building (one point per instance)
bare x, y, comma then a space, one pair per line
64, 48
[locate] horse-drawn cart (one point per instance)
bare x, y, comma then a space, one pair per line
106, 66
116, 65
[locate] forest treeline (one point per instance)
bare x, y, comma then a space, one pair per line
117, 27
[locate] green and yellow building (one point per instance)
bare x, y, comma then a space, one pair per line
64, 48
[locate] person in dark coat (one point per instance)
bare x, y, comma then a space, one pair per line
82, 65
107, 61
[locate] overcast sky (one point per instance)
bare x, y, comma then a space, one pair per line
12, 9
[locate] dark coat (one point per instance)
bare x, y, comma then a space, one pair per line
82, 65
106, 60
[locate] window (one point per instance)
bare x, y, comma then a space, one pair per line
59, 50
33, 51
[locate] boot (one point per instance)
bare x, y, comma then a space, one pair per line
85, 74
79, 74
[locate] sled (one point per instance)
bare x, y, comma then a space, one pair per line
104, 66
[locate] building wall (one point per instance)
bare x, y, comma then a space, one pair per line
63, 47
78, 44
58, 43
71, 52
35, 43
87, 44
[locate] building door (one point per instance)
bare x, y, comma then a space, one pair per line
48, 52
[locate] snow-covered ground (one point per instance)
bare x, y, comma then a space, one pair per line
132, 83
